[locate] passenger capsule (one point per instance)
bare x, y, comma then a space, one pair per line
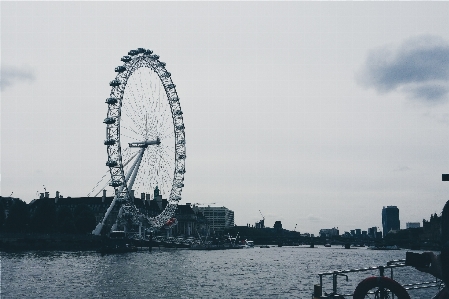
109, 120
109, 142
163, 64
120, 69
114, 83
115, 184
126, 59
166, 75
155, 57
174, 99
180, 185
141, 50
181, 127
181, 157
111, 101
111, 163
170, 86
178, 112
133, 52
182, 141
182, 171
148, 52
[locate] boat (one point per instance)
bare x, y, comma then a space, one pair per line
247, 244
210, 246
394, 247
327, 245
264, 246
117, 242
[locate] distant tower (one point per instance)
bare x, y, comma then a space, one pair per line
158, 197
277, 226
390, 219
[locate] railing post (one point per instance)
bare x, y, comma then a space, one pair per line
391, 272
334, 282
317, 291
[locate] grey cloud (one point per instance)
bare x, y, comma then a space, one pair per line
430, 92
12, 75
313, 218
420, 67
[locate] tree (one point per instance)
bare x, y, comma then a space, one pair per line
44, 218
18, 217
66, 223
84, 219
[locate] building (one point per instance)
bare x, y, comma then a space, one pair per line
260, 224
219, 218
277, 226
190, 222
412, 225
99, 205
390, 219
372, 232
329, 232
432, 228
7, 202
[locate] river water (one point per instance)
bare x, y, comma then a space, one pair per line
275, 272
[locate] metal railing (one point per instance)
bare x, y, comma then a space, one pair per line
391, 265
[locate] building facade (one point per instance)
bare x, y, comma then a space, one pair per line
219, 218
372, 232
390, 219
412, 225
329, 232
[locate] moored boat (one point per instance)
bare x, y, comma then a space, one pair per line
117, 242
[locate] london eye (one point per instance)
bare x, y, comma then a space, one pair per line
145, 140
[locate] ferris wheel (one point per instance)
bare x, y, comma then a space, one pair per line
145, 139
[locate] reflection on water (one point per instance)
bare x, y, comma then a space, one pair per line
276, 272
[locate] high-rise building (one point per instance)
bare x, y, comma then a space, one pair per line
390, 219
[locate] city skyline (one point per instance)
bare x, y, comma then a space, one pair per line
318, 114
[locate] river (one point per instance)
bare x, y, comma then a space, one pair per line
275, 272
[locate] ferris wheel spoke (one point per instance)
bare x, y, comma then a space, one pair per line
134, 120
131, 130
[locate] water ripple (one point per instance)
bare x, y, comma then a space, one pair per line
287, 272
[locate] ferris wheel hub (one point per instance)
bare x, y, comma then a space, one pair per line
145, 143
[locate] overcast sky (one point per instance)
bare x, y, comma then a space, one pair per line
315, 113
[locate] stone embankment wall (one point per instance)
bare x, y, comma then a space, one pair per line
63, 242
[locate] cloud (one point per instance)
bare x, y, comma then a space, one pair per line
12, 75
313, 218
419, 67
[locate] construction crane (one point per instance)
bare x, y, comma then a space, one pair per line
263, 218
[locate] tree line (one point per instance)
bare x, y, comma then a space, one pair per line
47, 218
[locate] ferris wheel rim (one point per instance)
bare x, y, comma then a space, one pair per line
136, 60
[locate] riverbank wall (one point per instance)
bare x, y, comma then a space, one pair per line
63, 242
